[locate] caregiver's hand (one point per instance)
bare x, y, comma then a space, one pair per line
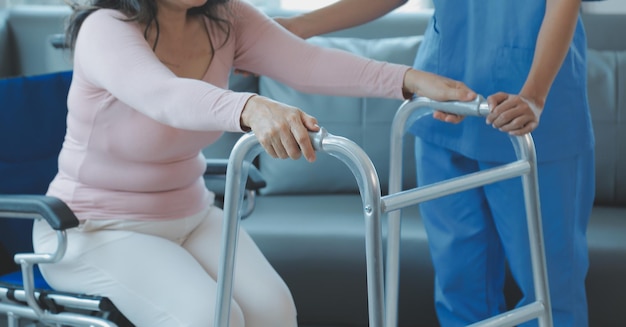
513, 114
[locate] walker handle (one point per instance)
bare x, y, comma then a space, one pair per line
476, 107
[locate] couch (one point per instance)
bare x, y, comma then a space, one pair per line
308, 220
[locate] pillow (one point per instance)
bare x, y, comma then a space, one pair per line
366, 121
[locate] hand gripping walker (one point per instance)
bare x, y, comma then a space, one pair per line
525, 166
361, 166
374, 205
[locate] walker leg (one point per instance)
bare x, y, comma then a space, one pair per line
363, 169
526, 167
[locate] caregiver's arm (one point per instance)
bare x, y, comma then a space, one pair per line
337, 16
265, 48
520, 114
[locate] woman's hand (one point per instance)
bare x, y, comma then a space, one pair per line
437, 88
514, 114
282, 130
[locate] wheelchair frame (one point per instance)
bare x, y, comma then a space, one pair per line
36, 304
86, 310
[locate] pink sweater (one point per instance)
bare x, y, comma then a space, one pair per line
135, 131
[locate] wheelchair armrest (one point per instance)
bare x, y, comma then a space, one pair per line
215, 180
53, 210
217, 168
58, 215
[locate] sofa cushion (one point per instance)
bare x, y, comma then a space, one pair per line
605, 73
366, 121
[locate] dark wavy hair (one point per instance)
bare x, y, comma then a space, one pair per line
141, 11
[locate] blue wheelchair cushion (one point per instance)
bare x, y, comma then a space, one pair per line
15, 279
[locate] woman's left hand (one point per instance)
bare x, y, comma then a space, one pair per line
437, 88
514, 114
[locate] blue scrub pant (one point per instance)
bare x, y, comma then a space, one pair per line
471, 235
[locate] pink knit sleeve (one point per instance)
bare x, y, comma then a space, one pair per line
112, 55
265, 48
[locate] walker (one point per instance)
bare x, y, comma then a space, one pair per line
382, 306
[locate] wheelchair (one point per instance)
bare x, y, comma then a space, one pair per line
32, 128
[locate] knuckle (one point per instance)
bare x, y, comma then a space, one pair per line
283, 126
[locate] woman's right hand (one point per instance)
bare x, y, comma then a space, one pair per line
282, 130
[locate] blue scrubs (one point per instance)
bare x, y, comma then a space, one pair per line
489, 45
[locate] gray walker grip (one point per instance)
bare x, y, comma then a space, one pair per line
476, 107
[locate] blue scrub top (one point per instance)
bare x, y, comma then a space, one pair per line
489, 45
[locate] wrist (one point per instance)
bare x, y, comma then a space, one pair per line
244, 118
534, 106
534, 95
410, 83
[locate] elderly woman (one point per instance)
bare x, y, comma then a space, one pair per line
149, 92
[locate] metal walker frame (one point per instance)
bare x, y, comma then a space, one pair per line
382, 306
525, 166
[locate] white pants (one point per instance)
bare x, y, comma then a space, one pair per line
163, 273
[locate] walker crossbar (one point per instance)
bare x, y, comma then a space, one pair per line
414, 196
361, 166
525, 166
